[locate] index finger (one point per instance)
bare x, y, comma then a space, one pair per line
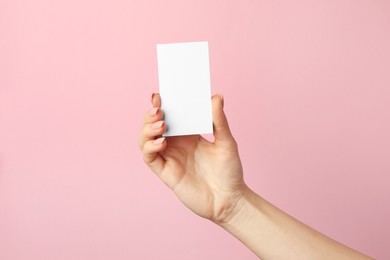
156, 100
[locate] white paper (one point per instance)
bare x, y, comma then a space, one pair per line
184, 79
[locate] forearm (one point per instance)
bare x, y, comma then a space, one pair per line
272, 234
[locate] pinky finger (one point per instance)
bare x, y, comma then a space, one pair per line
152, 158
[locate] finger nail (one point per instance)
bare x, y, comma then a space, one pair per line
159, 140
151, 99
157, 125
153, 111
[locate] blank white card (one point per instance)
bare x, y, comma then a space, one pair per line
184, 79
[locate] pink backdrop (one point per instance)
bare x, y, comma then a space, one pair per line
307, 89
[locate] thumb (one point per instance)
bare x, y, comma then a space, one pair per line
222, 132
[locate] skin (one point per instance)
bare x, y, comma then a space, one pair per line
208, 178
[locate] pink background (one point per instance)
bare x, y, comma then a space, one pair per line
307, 89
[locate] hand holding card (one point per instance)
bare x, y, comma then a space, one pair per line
184, 79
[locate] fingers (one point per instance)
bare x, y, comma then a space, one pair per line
153, 126
151, 151
153, 115
155, 111
156, 100
222, 132
149, 141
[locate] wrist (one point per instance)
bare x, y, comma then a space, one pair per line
248, 221
246, 210
239, 208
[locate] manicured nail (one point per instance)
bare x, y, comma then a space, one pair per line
151, 99
153, 111
157, 125
159, 140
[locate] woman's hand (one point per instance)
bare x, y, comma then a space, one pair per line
206, 176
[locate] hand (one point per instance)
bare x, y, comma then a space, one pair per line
206, 176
